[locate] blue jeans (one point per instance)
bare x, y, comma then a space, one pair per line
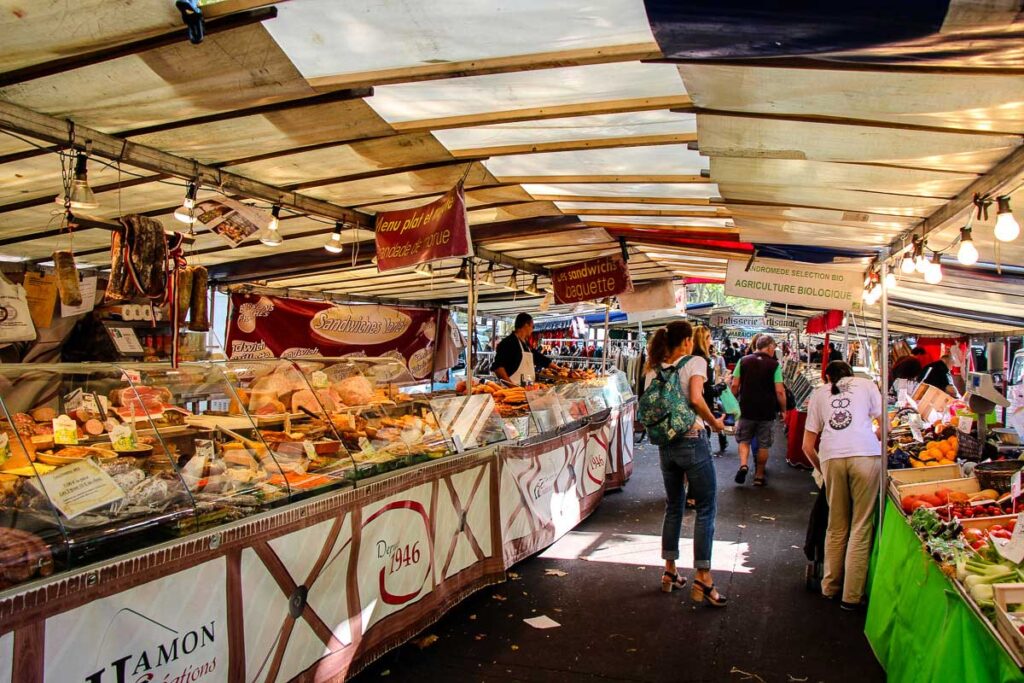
688, 460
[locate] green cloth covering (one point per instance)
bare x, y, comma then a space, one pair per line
919, 626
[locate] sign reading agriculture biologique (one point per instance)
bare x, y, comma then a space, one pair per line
591, 280
437, 230
277, 327
789, 282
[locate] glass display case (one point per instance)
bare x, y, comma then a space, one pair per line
382, 427
84, 471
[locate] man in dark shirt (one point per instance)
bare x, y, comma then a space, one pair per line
939, 376
758, 383
515, 361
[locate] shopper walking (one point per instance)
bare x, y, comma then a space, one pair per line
850, 459
687, 457
757, 382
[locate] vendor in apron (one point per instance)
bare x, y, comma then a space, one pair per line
515, 361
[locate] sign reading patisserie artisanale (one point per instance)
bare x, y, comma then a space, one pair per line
437, 230
591, 280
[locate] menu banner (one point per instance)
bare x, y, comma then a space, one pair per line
276, 327
437, 230
591, 280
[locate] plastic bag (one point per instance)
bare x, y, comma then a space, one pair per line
15, 317
729, 403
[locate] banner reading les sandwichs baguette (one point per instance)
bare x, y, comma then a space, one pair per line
790, 282
591, 280
437, 230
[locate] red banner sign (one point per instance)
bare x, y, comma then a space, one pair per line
437, 230
591, 280
275, 327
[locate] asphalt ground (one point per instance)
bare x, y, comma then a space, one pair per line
616, 624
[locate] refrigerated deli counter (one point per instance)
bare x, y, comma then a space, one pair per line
273, 520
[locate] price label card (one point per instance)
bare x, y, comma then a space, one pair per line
65, 431
511, 433
132, 376
5, 448
457, 442
123, 438
1015, 485
73, 400
965, 424
915, 429
1013, 550
125, 340
78, 488
310, 449
319, 379
205, 449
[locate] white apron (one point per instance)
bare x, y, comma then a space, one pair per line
524, 374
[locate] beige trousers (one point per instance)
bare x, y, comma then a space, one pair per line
851, 485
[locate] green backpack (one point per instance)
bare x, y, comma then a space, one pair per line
663, 409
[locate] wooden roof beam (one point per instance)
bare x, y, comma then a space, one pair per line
56, 131
675, 201
816, 64
575, 145
554, 179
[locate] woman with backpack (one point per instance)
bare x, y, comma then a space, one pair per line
674, 412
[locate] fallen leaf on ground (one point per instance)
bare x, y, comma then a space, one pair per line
515, 647
479, 636
766, 517
542, 622
499, 598
742, 526
555, 572
513, 576
472, 617
385, 672
426, 641
794, 679
632, 649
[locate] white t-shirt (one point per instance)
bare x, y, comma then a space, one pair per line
696, 366
844, 420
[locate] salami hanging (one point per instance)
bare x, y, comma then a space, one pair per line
67, 278
138, 261
199, 319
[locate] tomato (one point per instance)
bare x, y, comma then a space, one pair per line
1001, 533
995, 527
978, 545
1011, 525
974, 534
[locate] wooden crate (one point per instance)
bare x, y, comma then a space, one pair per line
917, 475
986, 522
1007, 594
964, 485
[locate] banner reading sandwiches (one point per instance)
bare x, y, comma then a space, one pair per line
591, 280
276, 327
437, 230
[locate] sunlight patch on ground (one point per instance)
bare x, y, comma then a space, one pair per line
643, 550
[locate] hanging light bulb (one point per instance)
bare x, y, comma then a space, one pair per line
463, 274
967, 254
890, 280
920, 260
271, 236
184, 213
513, 285
933, 275
424, 269
533, 289
488, 279
334, 243
907, 264
1007, 228
81, 194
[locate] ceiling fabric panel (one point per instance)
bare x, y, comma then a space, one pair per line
732, 136
661, 220
600, 126
231, 70
657, 160
968, 101
694, 191
403, 184
329, 38
526, 89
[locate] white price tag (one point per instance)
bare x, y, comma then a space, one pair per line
1013, 550
80, 487
457, 442
915, 428
1015, 485
73, 401
310, 449
125, 340
965, 424
65, 431
511, 433
205, 449
123, 438
131, 376
5, 448
319, 379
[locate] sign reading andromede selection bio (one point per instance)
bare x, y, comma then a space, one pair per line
590, 280
437, 230
789, 282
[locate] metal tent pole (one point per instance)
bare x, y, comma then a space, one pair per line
470, 327
604, 352
884, 353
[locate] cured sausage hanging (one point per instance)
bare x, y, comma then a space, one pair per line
67, 278
138, 261
199, 321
